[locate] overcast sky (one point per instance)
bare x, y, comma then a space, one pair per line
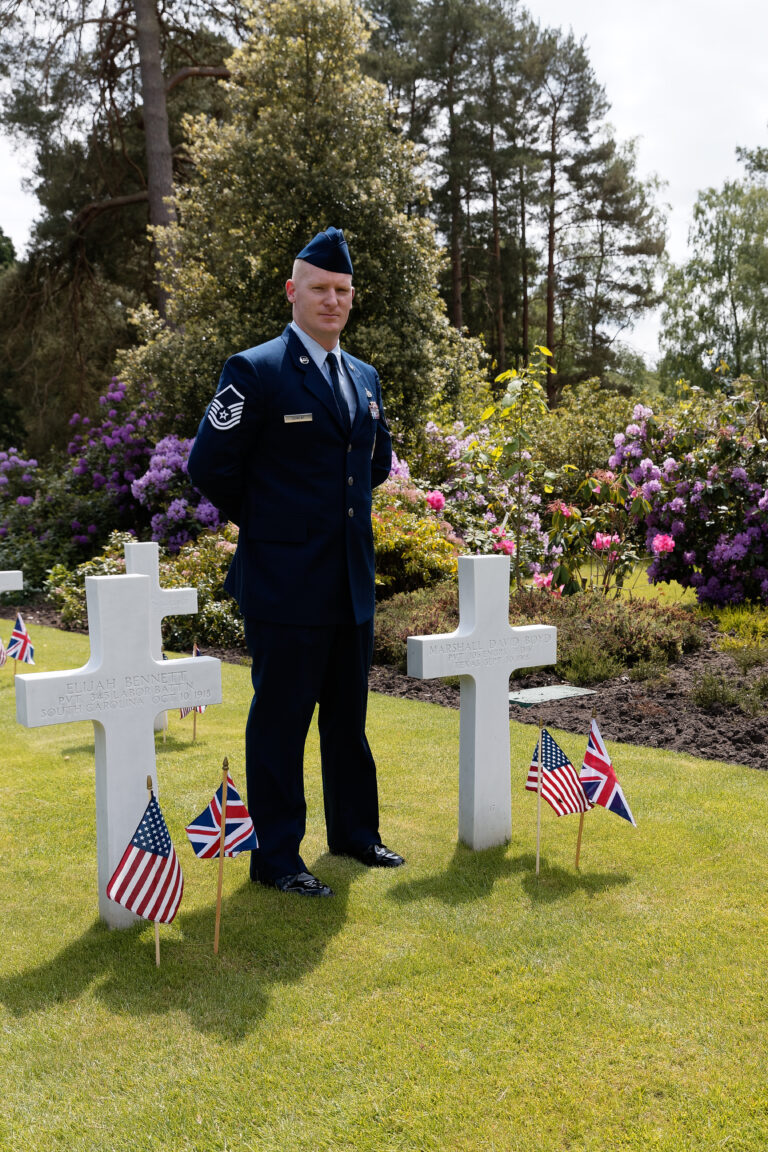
687, 77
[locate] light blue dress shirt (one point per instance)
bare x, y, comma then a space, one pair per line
318, 354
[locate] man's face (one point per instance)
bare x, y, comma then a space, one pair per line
321, 301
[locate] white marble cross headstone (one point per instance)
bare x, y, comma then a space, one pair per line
11, 580
143, 559
483, 651
121, 689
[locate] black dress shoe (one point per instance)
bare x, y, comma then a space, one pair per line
379, 856
304, 883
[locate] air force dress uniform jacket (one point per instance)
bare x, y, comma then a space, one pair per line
273, 455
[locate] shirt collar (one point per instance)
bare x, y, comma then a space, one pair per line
316, 351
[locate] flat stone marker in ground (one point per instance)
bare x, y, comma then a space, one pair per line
11, 581
121, 689
483, 652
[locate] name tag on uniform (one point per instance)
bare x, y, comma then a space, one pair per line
297, 417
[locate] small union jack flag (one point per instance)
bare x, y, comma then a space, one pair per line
205, 832
560, 785
148, 879
194, 707
598, 778
20, 645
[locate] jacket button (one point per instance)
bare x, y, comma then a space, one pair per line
350, 512
350, 480
349, 447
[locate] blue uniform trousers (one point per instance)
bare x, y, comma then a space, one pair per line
295, 668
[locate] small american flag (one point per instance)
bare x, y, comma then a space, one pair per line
20, 645
560, 785
148, 879
195, 707
205, 832
598, 778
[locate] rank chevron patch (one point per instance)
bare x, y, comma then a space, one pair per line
226, 408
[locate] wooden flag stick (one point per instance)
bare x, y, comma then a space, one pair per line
538, 799
581, 820
224, 790
157, 926
194, 710
578, 841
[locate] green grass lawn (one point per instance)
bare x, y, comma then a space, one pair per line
456, 1004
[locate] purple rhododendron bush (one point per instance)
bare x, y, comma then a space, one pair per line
118, 472
703, 472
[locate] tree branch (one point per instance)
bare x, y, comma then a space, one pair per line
89, 212
197, 70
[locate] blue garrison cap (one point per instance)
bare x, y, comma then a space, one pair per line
328, 250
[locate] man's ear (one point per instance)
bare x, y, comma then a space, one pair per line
290, 290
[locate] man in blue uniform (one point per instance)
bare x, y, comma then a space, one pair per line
289, 449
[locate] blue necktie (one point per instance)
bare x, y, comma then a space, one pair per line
341, 404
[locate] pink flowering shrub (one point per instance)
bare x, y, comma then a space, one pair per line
597, 536
415, 548
489, 479
502, 543
436, 501
704, 475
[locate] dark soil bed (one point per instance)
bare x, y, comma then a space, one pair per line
654, 713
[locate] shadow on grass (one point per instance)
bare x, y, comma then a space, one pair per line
174, 742
469, 876
556, 883
267, 939
472, 875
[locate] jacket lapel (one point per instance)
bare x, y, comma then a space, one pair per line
314, 380
361, 394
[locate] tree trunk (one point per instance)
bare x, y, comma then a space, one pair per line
158, 144
454, 199
501, 350
551, 221
524, 271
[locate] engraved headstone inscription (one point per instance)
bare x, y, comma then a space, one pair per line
121, 689
483, 652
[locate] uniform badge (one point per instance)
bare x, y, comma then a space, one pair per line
373, 408
226, 408
303, 359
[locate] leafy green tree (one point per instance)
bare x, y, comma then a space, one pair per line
80, 65
715, 317
608, 261
7, 251
77, 95
307, 141
550, 234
